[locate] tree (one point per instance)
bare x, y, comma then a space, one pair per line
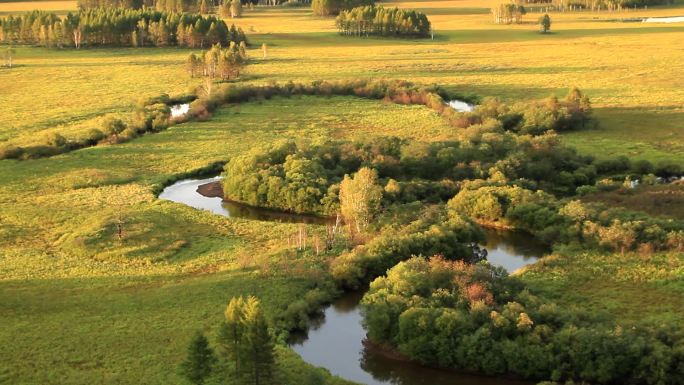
235, 8
193, 64
56, 140
545, 23
113, 126
224, 9
258, 345
9, 53
200, 360
242, 49
134, 39
360, 197
203, 7
508, 13
231, 331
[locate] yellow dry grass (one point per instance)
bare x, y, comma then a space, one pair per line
46, 5
628, 67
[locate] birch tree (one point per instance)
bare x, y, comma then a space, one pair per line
360, 198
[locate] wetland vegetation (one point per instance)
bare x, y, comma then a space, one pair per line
378, 166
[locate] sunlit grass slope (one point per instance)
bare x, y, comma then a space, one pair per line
92, 309
84, 307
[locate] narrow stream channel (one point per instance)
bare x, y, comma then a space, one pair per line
335, 341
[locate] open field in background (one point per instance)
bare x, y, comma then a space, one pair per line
661, 200
632, 71
57, 6
70, 91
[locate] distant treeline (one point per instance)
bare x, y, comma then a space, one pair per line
179, 6
118, 27
594, 4
372, 20
508, 13
334, 7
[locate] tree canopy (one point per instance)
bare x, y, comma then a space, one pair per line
333, 7
118, 27
376, 20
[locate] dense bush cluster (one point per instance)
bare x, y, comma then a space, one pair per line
379, 21
151, 115
134, 4
491, 143
179, 6
286, 177
611, 5
333, 7
568, 221
475, 318
508, 13
218, 62
118, 27
535, 118
431, 233
305, 178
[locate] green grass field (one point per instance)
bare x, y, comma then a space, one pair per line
62, 260
78, 306
630, 70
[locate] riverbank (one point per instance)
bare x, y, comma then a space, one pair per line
356, 358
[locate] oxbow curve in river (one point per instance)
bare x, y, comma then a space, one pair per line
335, 341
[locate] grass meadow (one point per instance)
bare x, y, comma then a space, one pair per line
630, 70
78, 306
69, 283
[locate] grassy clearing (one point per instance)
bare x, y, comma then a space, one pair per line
634, 288
661, 200
119, 330
631, 70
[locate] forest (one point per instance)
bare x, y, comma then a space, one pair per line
376, 20
334, 7
118, 27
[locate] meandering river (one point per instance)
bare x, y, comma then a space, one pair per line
335, 341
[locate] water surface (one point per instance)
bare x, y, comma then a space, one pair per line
179, 110
461, 106
185, 191
335, 341
675, 19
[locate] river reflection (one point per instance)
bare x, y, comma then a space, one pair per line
512, 249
